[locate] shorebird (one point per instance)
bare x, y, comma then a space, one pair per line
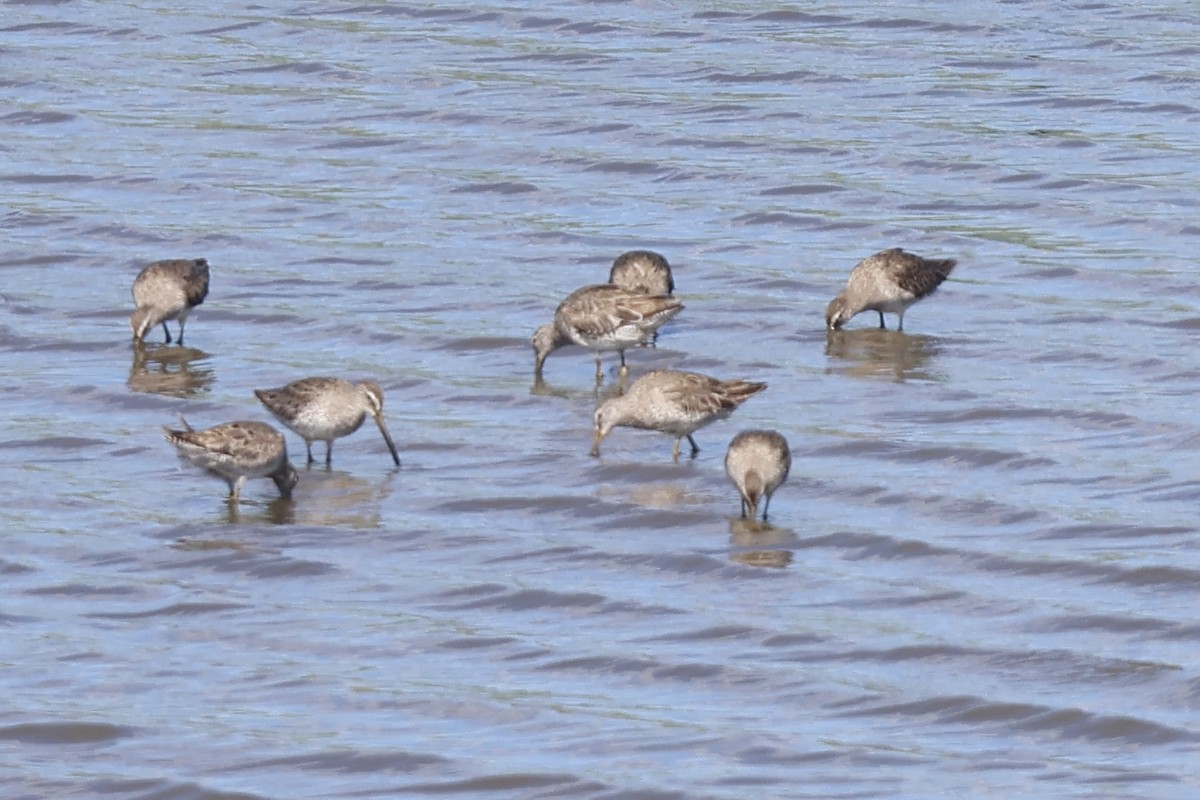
675, 403
603, 317
236, 451
167, 290
326, 409
891, 281
758, 463
642, 271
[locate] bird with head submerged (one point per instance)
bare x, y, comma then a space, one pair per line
888, 281
236, 451
167, 290
758, 462
603, 317
642, 271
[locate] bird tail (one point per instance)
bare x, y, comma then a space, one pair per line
176, 436
942, 266
739, 391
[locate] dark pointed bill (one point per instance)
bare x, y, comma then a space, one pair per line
387, 437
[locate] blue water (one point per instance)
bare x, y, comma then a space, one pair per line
981, 576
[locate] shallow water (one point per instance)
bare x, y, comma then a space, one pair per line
981, 578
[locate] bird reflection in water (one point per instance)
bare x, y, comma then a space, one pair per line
330, 498
599, 390
333, 497
279, 511
874, 353
760, 544
188, 545
172, 371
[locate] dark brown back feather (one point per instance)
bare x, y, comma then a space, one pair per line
701, 394
919, 275
197, 286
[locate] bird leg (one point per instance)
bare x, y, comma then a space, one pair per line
308, 447
695, 447
882, 326
328, 453
675, 452
167, 331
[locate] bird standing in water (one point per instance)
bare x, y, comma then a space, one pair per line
325, 409
891, 281
236, 451
167, 290
675, 403
603, 317
758, 463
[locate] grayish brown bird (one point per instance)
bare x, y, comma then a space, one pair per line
603, 317
675, 403
325, 409
889, 281
236, 451
167, 290
758, 463
642, 271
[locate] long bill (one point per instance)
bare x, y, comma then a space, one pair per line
596, 439
387, 437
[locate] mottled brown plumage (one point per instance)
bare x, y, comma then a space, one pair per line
758, 463
675, 403
642, 271
891, 281
603, 317
325, 409
236, 451
167, 290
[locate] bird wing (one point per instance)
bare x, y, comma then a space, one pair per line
228, 439
238, 441
704, 395
602, 309
915, 274
297, 393
700, 395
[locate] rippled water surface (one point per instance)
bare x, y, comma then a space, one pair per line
980, 581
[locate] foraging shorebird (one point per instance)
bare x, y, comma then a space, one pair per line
325, 409
167, 290
758, 463
603, 317
675, 403
642, 271
236, 451
891, 281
